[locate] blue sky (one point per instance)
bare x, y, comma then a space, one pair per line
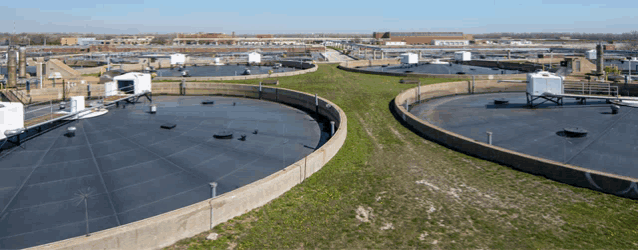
477, 16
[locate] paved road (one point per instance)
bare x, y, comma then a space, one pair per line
335, 56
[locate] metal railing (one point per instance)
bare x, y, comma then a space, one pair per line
24, 99
40, 113
590, 88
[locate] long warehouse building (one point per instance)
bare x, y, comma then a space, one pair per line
420, 37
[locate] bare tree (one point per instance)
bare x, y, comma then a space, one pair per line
632, 40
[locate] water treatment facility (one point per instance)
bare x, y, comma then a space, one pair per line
123, 143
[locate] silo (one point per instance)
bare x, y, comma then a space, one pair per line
22, 61
11, 67
600, 60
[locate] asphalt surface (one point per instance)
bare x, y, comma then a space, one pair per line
132, 169
222, 70
424, 68
610, 145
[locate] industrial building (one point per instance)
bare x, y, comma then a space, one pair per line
82, 41
451, 42
420, 37
120, 40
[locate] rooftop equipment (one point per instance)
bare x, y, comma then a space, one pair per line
544, 83
254, 57
11, 117
590, 54
409, 58
130, 83
463, 56
178, 59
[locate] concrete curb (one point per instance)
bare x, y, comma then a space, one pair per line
165, 229
581, 177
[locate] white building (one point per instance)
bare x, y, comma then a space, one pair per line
254, 57
409, 58
591, 54
82, 41
515, 42
450, 42
463, 56
178, 59
391, 43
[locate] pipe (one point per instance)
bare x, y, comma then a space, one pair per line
22, 61
11, 67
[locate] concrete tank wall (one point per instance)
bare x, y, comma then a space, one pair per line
166, 229
573, 175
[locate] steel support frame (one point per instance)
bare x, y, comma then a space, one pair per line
531, 99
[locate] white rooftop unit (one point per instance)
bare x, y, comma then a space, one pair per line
409, 58
544, 82
463, 56
254, 57
178, 59
132, 83
590, 54
11, 117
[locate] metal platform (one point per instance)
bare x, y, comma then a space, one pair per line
610, 145
133, 169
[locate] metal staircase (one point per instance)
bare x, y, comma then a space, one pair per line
14, 96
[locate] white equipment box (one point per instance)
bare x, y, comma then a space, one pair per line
132, 83
11, 117
178, 59
254, 57
543, 82
409, 58
463, 56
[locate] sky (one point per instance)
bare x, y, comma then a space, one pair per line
328, 16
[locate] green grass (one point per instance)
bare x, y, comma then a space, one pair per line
335, 48
462, 202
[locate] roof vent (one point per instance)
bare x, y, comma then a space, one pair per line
224, 134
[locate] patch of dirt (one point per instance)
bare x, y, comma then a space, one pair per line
387, 226
231, 245
423, 235
364, 214
400, 136
366, 127
424, 182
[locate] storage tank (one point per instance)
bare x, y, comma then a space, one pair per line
11, 67
22, 61
543, 82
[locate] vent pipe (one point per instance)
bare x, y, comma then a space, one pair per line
22, 61
600, 60
11, 67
